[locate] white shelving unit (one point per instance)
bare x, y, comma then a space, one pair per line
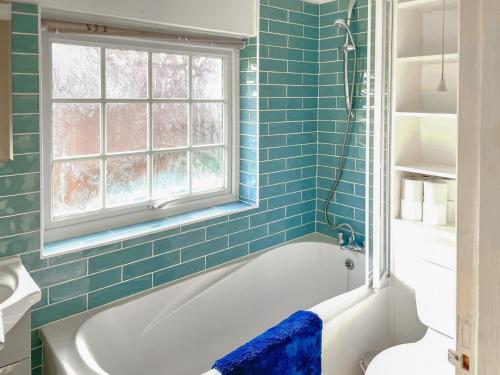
426, 115
428, 59
445, 230
424, 122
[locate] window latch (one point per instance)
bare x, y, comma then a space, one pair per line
163, 204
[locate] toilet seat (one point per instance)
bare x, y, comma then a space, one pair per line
428, 356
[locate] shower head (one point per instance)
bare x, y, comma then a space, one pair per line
342, 24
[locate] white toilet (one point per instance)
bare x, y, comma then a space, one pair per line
435, 292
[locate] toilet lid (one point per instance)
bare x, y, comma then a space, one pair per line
428, 356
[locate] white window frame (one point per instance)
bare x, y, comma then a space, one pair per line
109, 218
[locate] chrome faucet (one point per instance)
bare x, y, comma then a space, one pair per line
351, 243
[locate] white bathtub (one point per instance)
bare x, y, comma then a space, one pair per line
180, 329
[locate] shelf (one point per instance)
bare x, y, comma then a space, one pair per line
444, 229
419, 29
428, 59
426, 114
427, 5
428, 168
416, 88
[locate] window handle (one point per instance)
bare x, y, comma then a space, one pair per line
163, 204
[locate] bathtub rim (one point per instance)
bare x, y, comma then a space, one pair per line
62, 333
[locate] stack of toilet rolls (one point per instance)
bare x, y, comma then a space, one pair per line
435, 201
428, 199
412, 198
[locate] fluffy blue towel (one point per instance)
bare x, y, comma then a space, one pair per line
293, 347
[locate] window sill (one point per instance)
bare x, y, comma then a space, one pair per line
142, 229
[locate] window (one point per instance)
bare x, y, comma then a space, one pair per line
128, 126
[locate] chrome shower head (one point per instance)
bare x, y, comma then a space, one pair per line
342, 24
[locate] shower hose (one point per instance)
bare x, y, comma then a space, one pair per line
340, 167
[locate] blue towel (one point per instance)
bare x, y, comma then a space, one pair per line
293, 347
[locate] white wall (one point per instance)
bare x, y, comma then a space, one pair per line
232, 17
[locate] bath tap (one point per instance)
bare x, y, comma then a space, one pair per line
351, 244
340, 239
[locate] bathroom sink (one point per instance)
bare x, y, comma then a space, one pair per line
5, 292
18, 292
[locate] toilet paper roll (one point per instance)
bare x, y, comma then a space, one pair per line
436, 192
450, 212
452, 190
434, 214
412, 189
411, 210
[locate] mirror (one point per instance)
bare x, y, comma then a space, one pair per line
5, 84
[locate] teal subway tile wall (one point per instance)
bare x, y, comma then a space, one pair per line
20, 178
291, 116
288, 105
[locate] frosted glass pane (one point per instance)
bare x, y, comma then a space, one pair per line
170, 75
208, 125
207, 169
170, 125
75, 129
76, 71
170, 174
75, 187
126, 127
126, 180
208, 78
126, 74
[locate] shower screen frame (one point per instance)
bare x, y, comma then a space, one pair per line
381, 147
